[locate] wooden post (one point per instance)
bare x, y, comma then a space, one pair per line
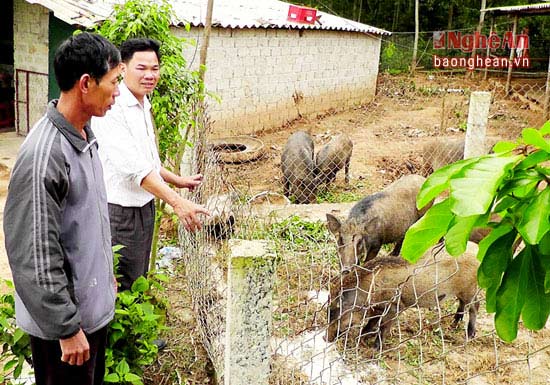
478, 30
416, 33
546, 114
512, 54
206, 41
488, 51
248, 322
186, 165
478, 115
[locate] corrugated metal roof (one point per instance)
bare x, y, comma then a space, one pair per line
83, 13
539, 8
261, 14
227, 14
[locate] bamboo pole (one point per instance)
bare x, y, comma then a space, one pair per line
478, 30
488, 51
416, 33
547, 94
512, 54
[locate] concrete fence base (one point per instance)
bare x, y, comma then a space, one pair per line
249, 311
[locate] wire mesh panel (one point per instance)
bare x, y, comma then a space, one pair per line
369, 322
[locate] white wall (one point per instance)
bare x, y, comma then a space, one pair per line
30, 35
266, 77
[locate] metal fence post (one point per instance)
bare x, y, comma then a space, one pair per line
478, 114
248, 322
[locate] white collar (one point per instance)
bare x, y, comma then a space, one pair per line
128, 98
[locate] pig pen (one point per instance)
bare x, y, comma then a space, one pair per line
422, 348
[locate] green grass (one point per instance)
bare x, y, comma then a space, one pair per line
333, 196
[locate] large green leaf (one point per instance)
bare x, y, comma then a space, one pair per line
537, 302
491, 297
474, 188
133, 378
504, 147
521, 184
533, 159
439, 182
544, 258
545, 129
534, 222
511, 296
9, 365
427, 231
496, 258
459, 233
533, 137
505, 203
544, 249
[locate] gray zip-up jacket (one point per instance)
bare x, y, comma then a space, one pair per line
57, 234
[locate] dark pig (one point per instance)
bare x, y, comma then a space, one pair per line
298, 167
377, 219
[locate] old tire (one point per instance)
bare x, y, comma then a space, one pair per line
237, 149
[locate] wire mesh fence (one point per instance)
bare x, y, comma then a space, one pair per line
381, 322
506, 71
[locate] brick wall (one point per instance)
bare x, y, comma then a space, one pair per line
30, 35
267, 77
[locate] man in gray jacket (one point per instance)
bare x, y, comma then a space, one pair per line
56, 222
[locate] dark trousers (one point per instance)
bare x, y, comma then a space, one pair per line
132, 227
50, 370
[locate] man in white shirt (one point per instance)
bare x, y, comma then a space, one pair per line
133, 172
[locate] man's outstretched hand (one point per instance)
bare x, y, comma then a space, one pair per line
188, 213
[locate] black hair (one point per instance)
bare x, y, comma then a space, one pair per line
131, 46
85, 53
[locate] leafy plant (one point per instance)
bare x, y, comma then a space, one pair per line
139, 318
513, 183
16, 348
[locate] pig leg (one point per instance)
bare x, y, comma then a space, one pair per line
346, 170
286, 187
472, 316
381, 336
397, 248
459, 313
373, 251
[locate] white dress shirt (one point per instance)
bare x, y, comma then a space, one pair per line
127, 149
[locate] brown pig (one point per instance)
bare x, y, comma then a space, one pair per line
332, 157
370, 298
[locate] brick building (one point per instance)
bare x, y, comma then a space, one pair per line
265, 69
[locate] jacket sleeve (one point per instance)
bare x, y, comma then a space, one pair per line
32, 226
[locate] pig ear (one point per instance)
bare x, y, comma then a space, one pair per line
333, 224
372, 221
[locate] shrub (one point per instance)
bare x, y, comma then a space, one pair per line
16, 345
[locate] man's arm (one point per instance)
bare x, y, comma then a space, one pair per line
189, 182
32, 228
186, 210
